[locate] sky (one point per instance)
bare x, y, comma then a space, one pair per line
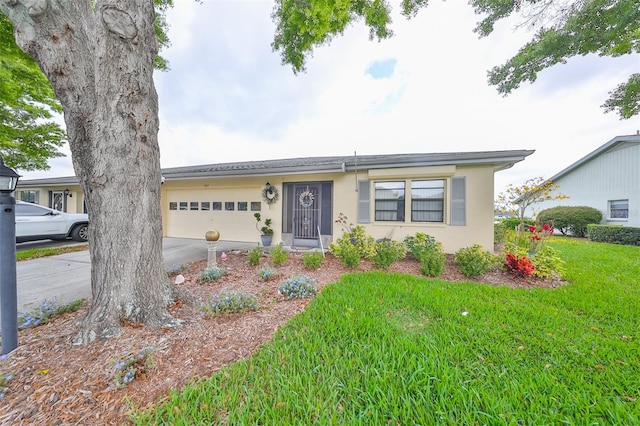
227, 96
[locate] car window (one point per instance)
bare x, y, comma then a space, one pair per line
30, 210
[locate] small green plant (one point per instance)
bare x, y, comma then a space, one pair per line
474, 261
298, 287
420, 242
132, 367
267, 273
548, 263
212, 274
264, 229
254, 255
353, 236
45, 312
312, 260
432, 260
228, 302
350, 256
388, 252
278, 255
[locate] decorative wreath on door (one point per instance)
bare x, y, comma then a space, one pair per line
270, 193
306, 199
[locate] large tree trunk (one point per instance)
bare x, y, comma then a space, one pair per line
100, 62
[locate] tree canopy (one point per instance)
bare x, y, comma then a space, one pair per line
565, 29
29, 136
29, 133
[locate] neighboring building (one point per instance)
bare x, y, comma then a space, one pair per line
448, 195
607, 179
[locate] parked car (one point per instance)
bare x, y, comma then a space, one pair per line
35, 222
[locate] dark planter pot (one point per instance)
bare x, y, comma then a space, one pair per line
266, 240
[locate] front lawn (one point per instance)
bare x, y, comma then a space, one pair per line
378, 348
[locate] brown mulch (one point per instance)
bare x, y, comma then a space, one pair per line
54, 383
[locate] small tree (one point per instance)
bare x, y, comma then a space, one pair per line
517, 199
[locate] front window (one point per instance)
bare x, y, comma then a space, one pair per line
29, 196
390, 198
427, 200
619, 209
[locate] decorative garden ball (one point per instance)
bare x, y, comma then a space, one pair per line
212, 235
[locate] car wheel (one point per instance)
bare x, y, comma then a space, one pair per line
80, 233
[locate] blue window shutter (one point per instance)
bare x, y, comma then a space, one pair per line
364, 202
458, 201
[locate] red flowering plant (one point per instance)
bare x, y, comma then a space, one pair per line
538, 236
519, 266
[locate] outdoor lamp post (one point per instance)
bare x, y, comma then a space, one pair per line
8, 285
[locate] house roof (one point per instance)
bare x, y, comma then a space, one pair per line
499, 160
615, 143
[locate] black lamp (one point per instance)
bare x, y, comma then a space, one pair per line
8, 280
8, 178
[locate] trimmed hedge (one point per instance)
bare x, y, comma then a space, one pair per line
570, 219
615, 234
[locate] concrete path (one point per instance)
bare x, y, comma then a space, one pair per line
67, 277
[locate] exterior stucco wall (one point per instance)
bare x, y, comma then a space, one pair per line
479, 210
613, 175
240, 225
75, 199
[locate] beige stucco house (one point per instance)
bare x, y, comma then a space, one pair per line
447, 195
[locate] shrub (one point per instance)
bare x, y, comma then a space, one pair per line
254, 255
266, 273
512, 223
432, 261
357, 237
499, 232
388, 252
518, 266
350, 256
298, 287
212, 274
312, 260
614, 234
548, 263
474, 261
419, 243
228, 302
570, 219
279, 255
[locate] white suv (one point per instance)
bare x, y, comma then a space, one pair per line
35, 222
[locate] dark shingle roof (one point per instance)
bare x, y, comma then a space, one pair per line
499, 160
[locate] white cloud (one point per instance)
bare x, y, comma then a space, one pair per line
228, 98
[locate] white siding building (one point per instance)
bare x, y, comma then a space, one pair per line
607, 179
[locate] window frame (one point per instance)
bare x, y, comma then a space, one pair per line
400, 211
610, 209
414, 200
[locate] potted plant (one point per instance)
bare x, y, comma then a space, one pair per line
266, 232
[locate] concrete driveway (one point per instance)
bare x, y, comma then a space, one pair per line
67, 277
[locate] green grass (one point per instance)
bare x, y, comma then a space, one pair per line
49, 251
377, 348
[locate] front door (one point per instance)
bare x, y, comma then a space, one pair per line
58, 201
306, 214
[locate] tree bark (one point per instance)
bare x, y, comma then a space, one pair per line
100, 62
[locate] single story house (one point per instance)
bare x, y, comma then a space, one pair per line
607, 179
447, 195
